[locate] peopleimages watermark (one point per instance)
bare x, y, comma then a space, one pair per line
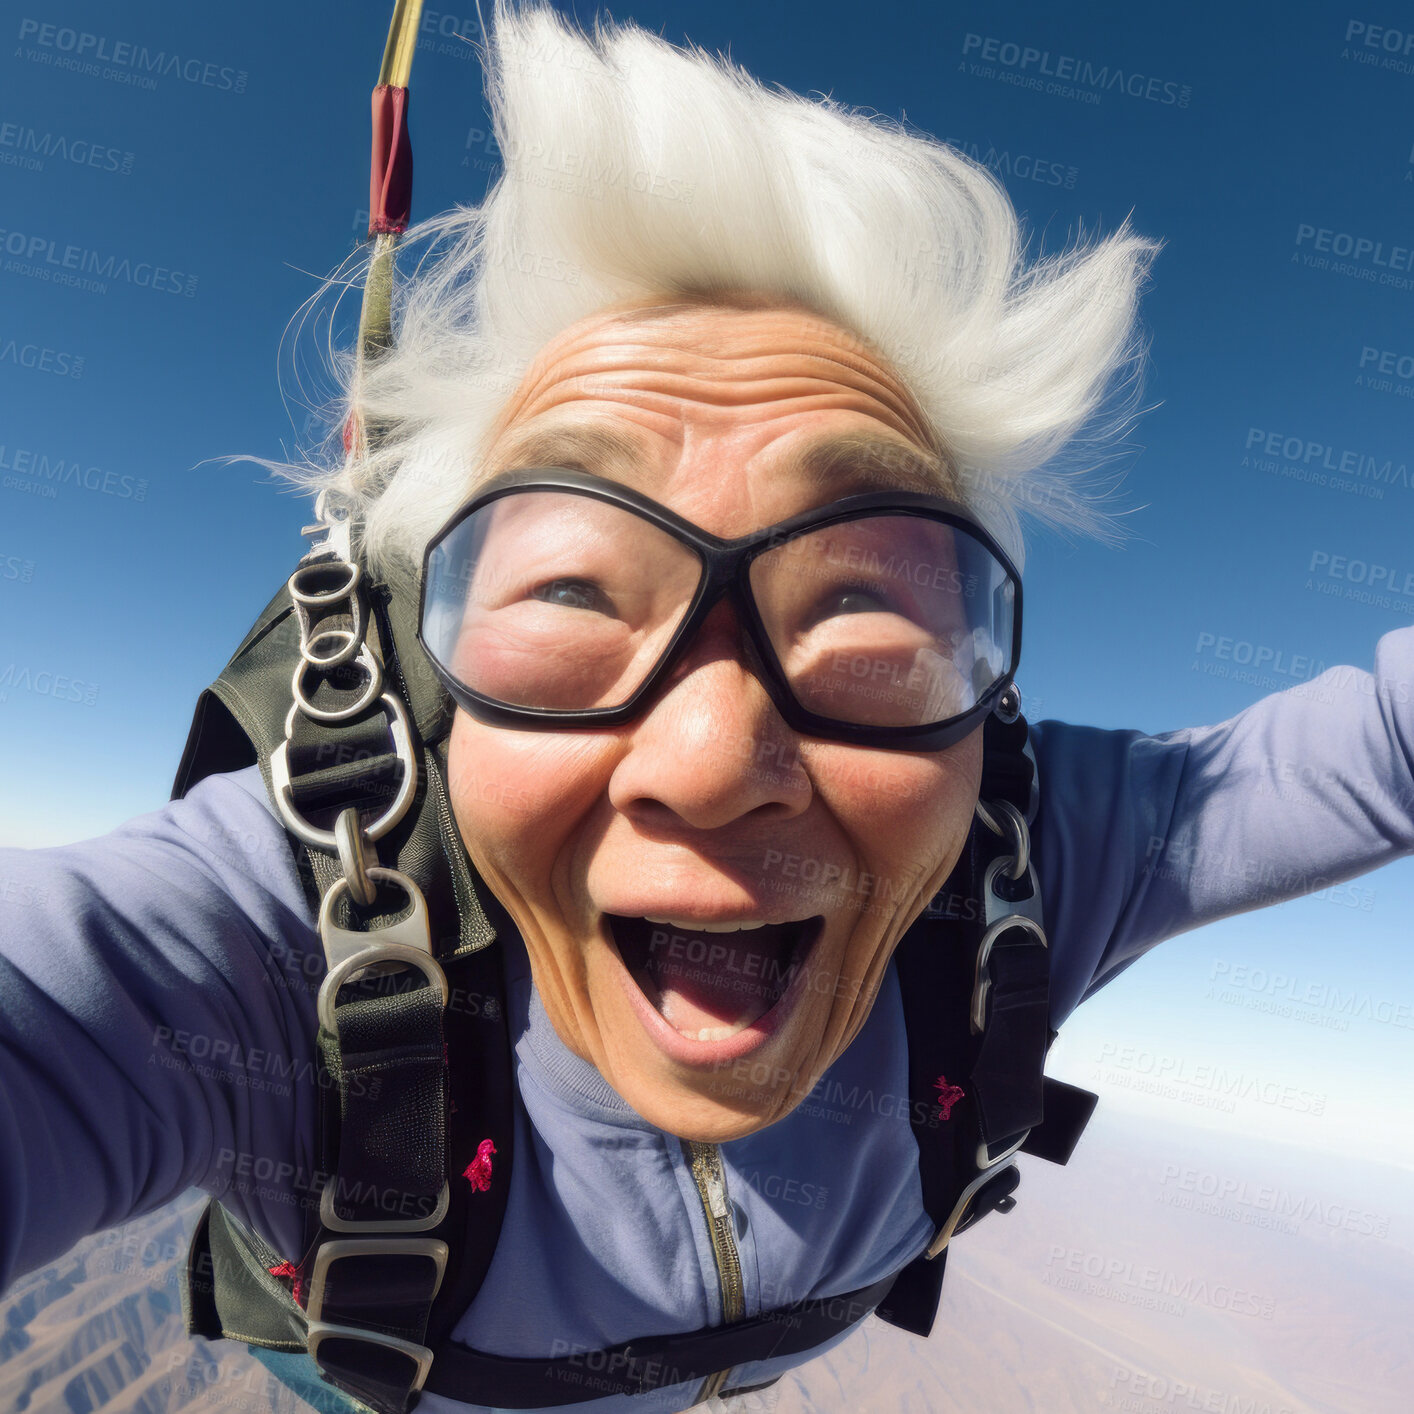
1359, 257
1362, 581
1209, 1085
14, 568
1065, 75
22, 464
1379, 46
1120, 1279
44, 258
41, 359
29, 149
20, 677
121, 60
1138, 1392
1386, 370
1317, 463
440, 32
1262, 1204
1022, 166
1343, 1004
565, 169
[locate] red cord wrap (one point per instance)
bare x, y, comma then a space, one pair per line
390, 175
288, 1269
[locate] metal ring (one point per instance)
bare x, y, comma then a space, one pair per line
1020, 835
353, 638
371, 957
321, 599
324, 839
944, 1234
367, 662
305, 600
356, 856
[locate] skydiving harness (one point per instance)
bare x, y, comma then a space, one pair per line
331, 695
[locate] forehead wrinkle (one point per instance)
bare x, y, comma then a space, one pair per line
813, 338
870, 377
829, 457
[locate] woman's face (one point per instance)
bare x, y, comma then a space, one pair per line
624, 853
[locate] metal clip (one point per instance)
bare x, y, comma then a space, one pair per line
364, 658
410, 931
944, 1234
999, 913
324, 839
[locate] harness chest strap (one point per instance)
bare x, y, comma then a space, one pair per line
394, 1294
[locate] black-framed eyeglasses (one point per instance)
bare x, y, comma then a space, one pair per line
559, 599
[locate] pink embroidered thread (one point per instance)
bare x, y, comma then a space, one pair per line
948, 1096
478, 1171
288, 1269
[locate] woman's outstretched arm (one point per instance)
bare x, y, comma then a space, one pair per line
1143, 837
156, 1021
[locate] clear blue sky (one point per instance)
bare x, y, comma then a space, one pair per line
1246, 132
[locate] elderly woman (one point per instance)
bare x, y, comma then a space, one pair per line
509, 1048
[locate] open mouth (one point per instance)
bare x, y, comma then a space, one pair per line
711, 982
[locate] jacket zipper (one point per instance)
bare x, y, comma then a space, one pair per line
705, 1161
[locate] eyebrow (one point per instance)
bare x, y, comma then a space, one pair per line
859, 457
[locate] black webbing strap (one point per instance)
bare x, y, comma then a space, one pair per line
386, 1095
974, 1093
1011, 1060
651, 1363
1068, 1109
387, 1066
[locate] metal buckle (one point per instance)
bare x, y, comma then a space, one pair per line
986, 1159
369, 957
325, 839
413, 930
1021, 917
331, 1252
944, 1234
320, 1331
330, 1218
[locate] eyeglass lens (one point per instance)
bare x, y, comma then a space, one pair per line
556, 601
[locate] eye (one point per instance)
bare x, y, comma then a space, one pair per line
857, 601
574, 594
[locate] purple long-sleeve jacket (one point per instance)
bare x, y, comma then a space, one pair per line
155, 1035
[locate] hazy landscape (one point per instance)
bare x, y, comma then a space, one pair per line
1163, 1271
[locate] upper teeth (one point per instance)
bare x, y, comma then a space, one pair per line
686, 926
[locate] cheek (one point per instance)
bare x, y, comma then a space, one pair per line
518, 796
903, 812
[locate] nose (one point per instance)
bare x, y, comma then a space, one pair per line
711, 749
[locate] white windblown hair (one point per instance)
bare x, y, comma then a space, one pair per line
635, 169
